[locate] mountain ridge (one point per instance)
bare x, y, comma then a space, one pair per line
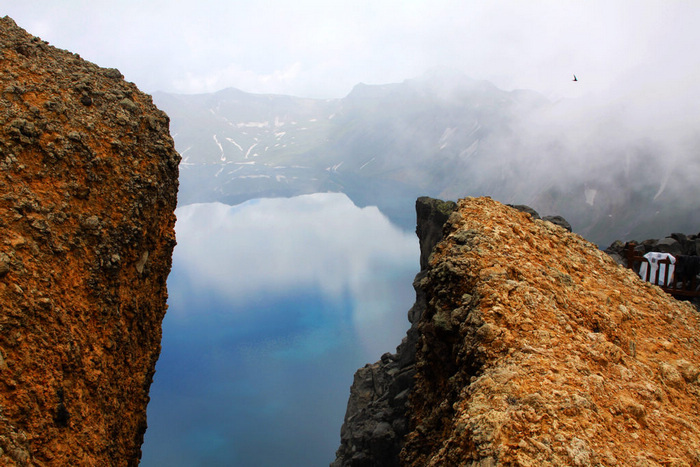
441, 136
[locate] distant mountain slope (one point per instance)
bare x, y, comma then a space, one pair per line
440, 135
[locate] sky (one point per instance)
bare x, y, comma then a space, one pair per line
314, 48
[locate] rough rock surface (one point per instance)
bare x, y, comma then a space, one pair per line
375, 420
536, 348
88, 187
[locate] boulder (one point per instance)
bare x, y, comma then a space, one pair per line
668, 245
87, 186
558, 220
536, 348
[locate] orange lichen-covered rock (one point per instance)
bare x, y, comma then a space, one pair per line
536, 348
88, 187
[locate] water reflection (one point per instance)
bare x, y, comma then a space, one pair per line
273, 306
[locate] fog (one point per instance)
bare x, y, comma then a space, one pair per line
322, 49
635, 103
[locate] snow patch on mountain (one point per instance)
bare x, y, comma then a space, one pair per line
475, 127
664, 181
446, 136
230, 140
250, 149
334, 169
590, 194
366, 163
221, 148
470, 151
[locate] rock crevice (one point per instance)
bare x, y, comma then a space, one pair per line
376, 420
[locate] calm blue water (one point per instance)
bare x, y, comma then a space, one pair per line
273, 306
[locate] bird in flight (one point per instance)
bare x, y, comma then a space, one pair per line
575, 79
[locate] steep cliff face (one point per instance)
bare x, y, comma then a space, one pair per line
536, 348
88, 187
529, 346
376, 420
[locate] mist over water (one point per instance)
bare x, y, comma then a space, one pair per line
273, 306
623, 164
619, 164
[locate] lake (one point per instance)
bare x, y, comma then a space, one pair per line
273, 305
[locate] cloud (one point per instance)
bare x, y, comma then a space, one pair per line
276, 247
331, 46
278, 244
245, 79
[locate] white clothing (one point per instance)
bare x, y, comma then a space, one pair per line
654, 257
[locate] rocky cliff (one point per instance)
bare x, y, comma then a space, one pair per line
536, 348
376, 420
88, 187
